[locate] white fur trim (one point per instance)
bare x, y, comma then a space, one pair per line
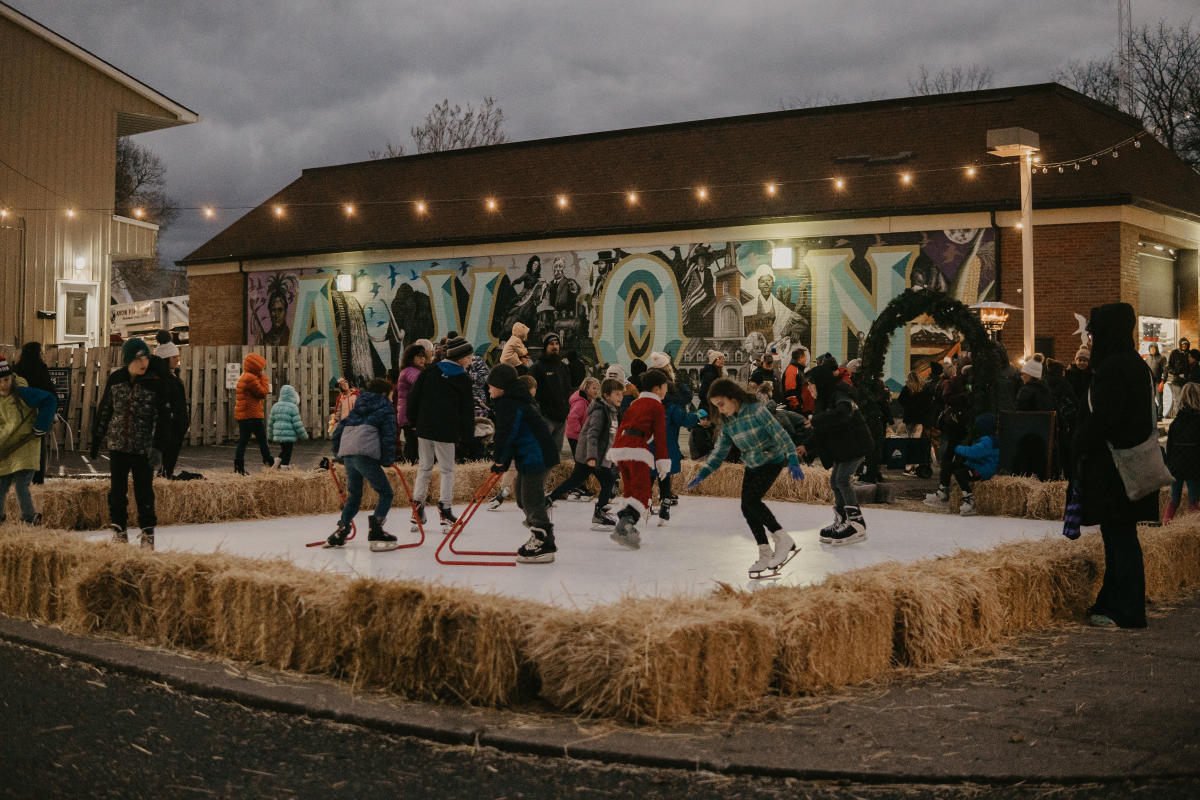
641, 454
650, 395
663, 466
628, 502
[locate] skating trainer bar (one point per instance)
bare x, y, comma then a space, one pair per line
448, 542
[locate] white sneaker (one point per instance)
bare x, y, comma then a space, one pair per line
275, 464
940, 497
967, 509
785, 549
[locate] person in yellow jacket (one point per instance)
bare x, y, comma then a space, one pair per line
25, 417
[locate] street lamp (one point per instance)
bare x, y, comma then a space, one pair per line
1021, 143
993, 315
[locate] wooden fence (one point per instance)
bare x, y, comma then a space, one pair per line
202, 370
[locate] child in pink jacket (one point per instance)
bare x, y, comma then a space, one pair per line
588, 391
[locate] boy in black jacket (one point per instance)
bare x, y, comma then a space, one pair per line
841, 437
523, 436
441, 407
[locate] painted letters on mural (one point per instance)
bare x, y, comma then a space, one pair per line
617, 305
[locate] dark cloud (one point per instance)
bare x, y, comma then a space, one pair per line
288, 84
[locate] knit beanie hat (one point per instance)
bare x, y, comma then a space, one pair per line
713, 355
166, 350
132, 350
5, 369
551, 338
502, 376
637, 367
616, 372
1083, 352
659, 360
1032, 368
458, 347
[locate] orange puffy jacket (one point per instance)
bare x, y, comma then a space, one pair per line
252, 387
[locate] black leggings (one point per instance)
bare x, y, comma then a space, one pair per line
1122, 595
578, 478
755, 483
246, 428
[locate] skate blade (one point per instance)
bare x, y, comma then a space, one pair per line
383, 547
765, 575
857, 537
544, 558
627, 542
328, 546
598, 527
791, 554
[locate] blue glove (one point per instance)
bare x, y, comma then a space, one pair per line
693, 483
795, 471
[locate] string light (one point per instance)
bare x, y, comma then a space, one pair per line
970, 172
838, 183
1115, 153
349, 210
906, 177
632, 198
139, 213
3, 213
702, 193
279, 211
70, 212
491, 204
208, 212
562, 201
420, 207
770, 188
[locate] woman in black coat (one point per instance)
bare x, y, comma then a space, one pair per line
1119, 411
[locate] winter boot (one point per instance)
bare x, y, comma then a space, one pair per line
146, 540
967, 509
550, 501
938, 498
338, 537
276, 463
854, 529
839, 519
418, 516
119, 535
540, 548
601, 521
239, 468
1169, 513
785, 549
764, 561
626, 534
379, 540
446, 515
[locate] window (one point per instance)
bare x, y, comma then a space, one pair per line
76, 323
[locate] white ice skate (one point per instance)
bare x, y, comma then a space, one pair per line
785, 550
762, 568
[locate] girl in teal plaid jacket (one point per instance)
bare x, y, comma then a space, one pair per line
766, 450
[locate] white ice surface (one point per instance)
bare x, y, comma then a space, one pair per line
706, 541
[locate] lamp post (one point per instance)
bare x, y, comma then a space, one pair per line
993, 315
1021, 143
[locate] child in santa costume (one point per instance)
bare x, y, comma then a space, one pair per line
640, 446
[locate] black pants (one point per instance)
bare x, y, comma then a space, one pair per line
963, 474
946, 458
531, 498
285, 453
1122, 595
755, 483
170, 456
122, 464
578, 478
255, 428
410, 444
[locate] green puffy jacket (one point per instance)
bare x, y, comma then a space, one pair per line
24, 411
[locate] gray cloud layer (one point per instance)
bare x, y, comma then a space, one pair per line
288, 84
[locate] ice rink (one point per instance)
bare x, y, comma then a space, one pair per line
706, 541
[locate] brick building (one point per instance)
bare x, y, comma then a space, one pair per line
738, 234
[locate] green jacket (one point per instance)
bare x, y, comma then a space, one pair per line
24, 411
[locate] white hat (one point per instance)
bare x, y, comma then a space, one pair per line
616, 372
1032, 368
854, 365
762, 270
713, 355
658, 360
166, 350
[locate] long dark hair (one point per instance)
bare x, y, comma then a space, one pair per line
730, 390
410, 354
33, 368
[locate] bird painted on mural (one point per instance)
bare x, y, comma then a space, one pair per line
370, 312
463, 267
413, 274
375, 287
362, 273
393, 273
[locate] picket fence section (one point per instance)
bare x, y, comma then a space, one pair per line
202, 370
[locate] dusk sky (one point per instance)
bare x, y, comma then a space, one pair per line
287, 84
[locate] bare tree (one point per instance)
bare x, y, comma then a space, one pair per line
453, 128
821, 99
140, 193
389, 151
1165, 73
955, 78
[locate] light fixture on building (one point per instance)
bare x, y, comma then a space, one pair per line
139, 213
80, 264
344, 282
70, 212
781, 257
3, 213
993, 315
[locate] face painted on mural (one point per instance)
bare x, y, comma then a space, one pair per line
614, 305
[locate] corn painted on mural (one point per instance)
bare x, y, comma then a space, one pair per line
616, 305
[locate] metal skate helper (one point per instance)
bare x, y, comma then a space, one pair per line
354, 528
483, 494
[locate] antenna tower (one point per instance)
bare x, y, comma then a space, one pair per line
1124, 56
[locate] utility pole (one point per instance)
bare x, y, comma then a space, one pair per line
1124, 56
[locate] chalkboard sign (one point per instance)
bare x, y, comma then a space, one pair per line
62, 387
1027, 443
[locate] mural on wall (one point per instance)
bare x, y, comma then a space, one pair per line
742, 298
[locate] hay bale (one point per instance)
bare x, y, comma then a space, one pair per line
651, 660
436, 642
727, 482
35, 567
1171, 555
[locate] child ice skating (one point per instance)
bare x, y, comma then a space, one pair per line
252, 388
639, 448
841, 438
365, 442
25, 417
523, 438
766, 450
285, 425
592, 451
977, 461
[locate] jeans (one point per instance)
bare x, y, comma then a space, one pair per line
531, 497
1122, 595
357, 468
558, 432
285, 454
1193, 492
430, 452
20, 481
246, 429
755, 483
579, 476
839, 481
122, 465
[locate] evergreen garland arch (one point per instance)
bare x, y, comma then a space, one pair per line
986, 355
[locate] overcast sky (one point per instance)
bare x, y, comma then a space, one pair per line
288, 84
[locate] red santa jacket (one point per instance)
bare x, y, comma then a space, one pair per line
642, 435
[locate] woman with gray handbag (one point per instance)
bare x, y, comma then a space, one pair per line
1120, 467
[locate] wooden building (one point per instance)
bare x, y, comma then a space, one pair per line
63, 110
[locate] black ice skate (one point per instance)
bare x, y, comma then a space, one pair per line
119, 535
380, 540
497, 501
601, 521
239, 468
854, 529
418, 516
539, 549
579, 496
447, 516
146, 540
338, 537
664, 513
826, 534
626, 534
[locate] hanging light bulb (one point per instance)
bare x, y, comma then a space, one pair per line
491, 204
1076, 166
279, 211
1115, 153
1137, 143
139, 213
1094, 162
702, 193
838, 183
906, 177
70, 212
420, 207
770, 188
632, 198
970, 172
349, 210
1060, 170
562, 201
1045, 170
209, 212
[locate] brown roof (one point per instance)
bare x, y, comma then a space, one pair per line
800, 150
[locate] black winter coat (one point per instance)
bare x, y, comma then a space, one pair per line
1034, 396
839, 430
1183, 446
1120, 414
133, 416
1080, 380
554, 387
1177, 366
707, 375
441, 405
918, 406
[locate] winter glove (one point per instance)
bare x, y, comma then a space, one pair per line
694, 482
36, 432
1074, 514
500, 468
795, 471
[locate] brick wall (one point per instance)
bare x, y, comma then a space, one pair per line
216, 309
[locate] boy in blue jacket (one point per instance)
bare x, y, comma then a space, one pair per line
365, 441
524, 437
977, 461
